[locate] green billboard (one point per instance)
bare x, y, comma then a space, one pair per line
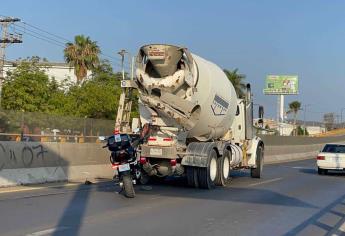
281, 85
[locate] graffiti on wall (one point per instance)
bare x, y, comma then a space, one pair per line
21, 155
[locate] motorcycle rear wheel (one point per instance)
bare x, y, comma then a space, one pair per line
128, 186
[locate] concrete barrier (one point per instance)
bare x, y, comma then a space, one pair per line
288, 148
34, 162
272, 140
275, 154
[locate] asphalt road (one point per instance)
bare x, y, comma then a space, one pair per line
291, 199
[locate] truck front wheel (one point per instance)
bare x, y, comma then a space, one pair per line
257, 172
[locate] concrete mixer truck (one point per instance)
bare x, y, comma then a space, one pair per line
194, 123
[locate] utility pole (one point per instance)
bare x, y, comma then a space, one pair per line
6, 38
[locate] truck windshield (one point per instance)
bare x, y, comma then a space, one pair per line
334, 148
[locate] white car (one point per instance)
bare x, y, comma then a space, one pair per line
332, 157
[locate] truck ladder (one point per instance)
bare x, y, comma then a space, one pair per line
124, 109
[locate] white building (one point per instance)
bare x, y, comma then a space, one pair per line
58, 70
285, 129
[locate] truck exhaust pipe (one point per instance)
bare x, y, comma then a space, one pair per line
249, 113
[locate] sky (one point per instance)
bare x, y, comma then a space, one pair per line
259, 37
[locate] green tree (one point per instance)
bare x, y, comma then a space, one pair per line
28, 88
83, 55
237, 81
104, 74
302, 131
294, 107
97, 97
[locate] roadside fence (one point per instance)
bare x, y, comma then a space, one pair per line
41, 127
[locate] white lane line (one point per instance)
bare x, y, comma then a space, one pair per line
303, 168
23, 189
339, 231
47, 231
266, 182
342, 228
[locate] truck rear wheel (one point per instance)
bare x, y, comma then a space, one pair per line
223, 168
256, 172
144, 178
192, 176
207, 175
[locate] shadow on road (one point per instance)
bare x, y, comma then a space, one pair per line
177, 188
71, 220
315, 219
73, 213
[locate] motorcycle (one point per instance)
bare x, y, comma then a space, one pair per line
124, 161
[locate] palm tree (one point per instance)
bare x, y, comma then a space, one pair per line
294, 107
237, 81
82, 55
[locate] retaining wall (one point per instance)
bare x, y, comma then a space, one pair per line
34, 162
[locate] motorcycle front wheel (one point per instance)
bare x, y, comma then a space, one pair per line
128, 186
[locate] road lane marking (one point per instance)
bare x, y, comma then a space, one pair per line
48, 231
36, 188
338, 231
303, 168
342, 227
265, 182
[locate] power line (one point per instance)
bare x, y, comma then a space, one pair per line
57, 40
44, 31
24, 30
62, 38
41, 38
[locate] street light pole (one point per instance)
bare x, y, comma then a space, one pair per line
341, 117
304, 122
122, 54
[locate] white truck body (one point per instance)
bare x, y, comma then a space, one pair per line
195, 118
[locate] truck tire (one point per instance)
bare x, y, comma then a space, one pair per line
128, 186
256, 172
192, 176
223, 168
207, 175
